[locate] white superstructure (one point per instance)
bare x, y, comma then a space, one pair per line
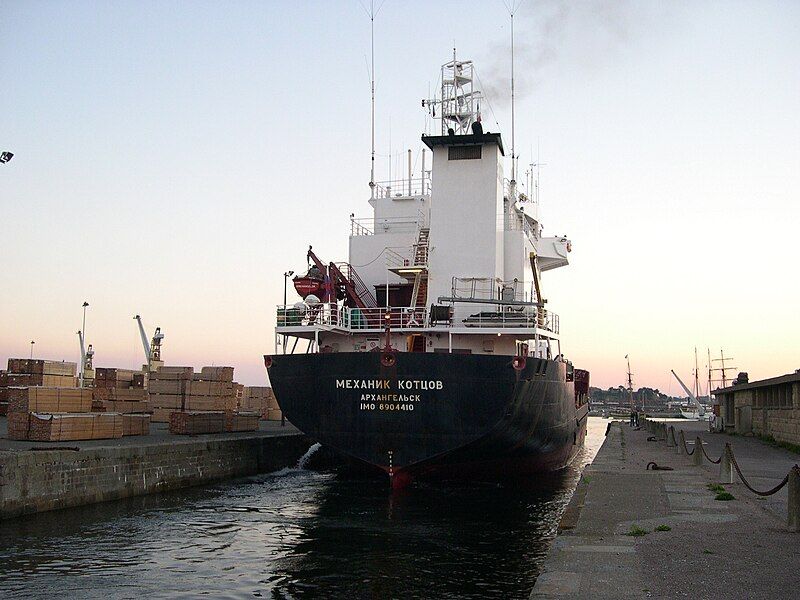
455, 257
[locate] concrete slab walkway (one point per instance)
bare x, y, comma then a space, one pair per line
713, 549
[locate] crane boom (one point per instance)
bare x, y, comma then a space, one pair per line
144, 339
686, 389
83, 357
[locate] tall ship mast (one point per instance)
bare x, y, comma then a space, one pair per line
439, 355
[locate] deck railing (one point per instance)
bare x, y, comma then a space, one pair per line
329, 315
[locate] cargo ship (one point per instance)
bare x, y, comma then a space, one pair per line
432, 352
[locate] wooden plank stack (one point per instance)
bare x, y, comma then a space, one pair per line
38, 372
63, 427
241, 421
195, 423
181, 389
262, 401
116, 391
106, 377
49, 400
3, 392
135, 424
58, 414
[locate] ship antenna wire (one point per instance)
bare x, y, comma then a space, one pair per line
372, 13
511, 10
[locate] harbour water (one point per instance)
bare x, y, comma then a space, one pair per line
296, 534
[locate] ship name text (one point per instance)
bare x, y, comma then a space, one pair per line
385, 384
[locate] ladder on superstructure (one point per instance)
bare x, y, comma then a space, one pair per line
419, 294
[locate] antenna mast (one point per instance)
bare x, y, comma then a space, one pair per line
513, 152
372, 87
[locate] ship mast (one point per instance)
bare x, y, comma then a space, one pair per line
630, 382
722, 368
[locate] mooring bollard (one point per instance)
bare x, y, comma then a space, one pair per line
794, 499
698, 452
726, 466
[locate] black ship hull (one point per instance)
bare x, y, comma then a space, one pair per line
432, 414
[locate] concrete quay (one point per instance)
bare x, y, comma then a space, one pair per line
42, 476
712, 549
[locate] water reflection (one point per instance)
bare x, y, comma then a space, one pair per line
295, 534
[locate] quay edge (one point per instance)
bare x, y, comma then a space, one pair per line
51, 479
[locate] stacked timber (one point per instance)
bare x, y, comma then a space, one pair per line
135, 424
37, 372
106, 377
3, 392
241, 421
195, 423
261, 400
116, 391
45, 414
63, 427
49, 400
181, 389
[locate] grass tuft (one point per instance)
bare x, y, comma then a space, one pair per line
636, 531
715, 487
707, 551
724, 496
663, 528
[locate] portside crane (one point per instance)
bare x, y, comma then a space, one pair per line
87, 356
152, 350
691, 395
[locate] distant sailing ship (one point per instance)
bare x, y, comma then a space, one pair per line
438, 357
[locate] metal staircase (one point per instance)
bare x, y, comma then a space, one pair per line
419, 294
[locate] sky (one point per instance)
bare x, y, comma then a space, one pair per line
173, 159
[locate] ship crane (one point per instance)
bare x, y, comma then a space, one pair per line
87, 356
700, 409
152, 350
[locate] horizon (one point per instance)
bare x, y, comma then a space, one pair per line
174, 160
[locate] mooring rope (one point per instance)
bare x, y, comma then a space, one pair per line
685, 449
716, 462
774, 490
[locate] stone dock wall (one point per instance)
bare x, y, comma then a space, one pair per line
35, 481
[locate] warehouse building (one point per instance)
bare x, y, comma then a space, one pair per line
769, 407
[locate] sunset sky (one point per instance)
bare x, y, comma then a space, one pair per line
173, 159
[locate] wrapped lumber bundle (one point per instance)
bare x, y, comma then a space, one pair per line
35, 366
114, 378
139, 380
3, 393
121, 400
179, 388
241, 421
40, 379
215, 374
49, 400
64, 427
195, 423
259, 399
133, 424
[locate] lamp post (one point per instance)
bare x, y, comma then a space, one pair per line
32, 343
